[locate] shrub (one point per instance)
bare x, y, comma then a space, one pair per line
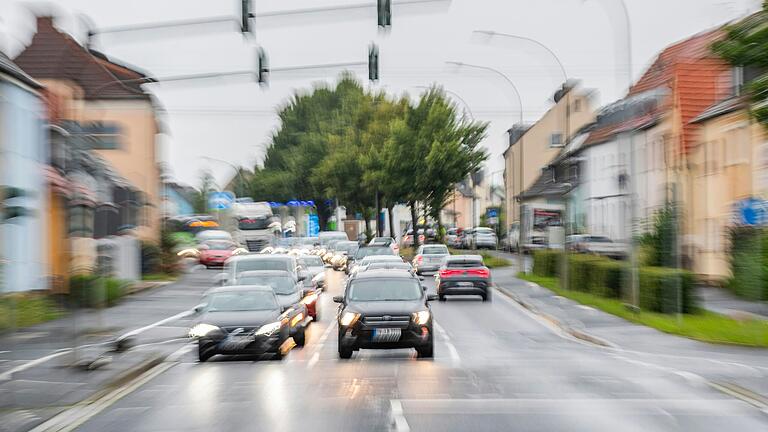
546, 263
659, 290
749, 262
29, 308
151, 258
580, 272
607, 278
90, 291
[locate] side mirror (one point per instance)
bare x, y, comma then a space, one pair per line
220, 279
338, 299
199, 308
432, 297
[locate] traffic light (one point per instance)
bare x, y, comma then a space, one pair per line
384, 11
245, 16
262, 67
11, 211
373, 62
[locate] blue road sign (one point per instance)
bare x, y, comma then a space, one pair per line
220, 200
314, 226
752, 211
492, 213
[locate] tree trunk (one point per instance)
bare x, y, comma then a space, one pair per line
414, 225
390, 213
439, 233
379, 225
367, 226
322, 213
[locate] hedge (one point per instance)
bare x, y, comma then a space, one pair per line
605, 277
91, 291
749, 262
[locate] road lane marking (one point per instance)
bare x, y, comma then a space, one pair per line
455, 359
6, 376
398, 421
312, 361
140, 330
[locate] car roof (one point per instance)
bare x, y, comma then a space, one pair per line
385, 274
393, 258
264, 273
262, 257
236, 288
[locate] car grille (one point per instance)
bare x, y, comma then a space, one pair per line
245, 331
256, 245
387, 320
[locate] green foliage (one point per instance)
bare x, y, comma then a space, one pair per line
200, 197
89, 291
605, 277
659, 246
703, 326
169, 260
151, 258
492, 261
746, 44
546, 263
26, 309
748, 254
351, 144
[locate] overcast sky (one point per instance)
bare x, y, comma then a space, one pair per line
231, 119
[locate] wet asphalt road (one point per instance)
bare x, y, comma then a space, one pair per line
496, 368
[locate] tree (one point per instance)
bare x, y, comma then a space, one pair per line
200, 198
746, 44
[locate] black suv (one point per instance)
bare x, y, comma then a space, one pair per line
385, 309
464, 275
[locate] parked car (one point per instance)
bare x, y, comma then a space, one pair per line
511, 240
290, 294
429, 257
452, 237
484, 238
598, 245
240, 320
464, 275
385, 309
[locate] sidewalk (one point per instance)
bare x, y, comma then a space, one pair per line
41, 376
722, 301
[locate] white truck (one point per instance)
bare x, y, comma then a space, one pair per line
542, 227
255, 227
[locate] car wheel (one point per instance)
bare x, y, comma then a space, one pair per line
418, 272
300, 338
441, 297
427, 351
345, 353
278, 355
487, 297
204, 353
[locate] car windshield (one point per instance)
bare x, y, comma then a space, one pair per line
281, 285
380, 258
231, 301
327, 237
373, 250
311, 261
388, 265
464, 264
435, 250
598, 239
262, 264
347, 246
219, 245
381, 241
364, 290
253, 223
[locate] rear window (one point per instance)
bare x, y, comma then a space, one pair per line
596, 239
375, 250
311, 261
464, 264
435, 250
263, 264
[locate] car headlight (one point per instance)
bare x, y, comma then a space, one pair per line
268, 329
349, 318
201, 330
421, 317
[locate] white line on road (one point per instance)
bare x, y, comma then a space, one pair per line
320, 342
455, 359
9, 374
313, 360
399, 423
180, 315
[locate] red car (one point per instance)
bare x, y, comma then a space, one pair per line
213, 253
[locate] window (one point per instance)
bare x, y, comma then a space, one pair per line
556, 139
101, 136
737, 145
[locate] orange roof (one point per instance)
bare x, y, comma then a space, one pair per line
696, 77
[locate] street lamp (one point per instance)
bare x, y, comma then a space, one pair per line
522, 141
491, 34
456, 95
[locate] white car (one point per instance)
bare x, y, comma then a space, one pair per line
385, 241
429, 257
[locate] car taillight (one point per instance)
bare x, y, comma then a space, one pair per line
483, 273
448, 273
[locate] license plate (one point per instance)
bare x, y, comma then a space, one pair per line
465, 284
236, 342
386, 334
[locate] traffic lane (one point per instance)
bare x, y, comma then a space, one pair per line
91, 330
515, 358
539, 386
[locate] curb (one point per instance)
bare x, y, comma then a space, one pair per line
743, 394
145, 286
578, 334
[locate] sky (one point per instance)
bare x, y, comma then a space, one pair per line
220, 124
